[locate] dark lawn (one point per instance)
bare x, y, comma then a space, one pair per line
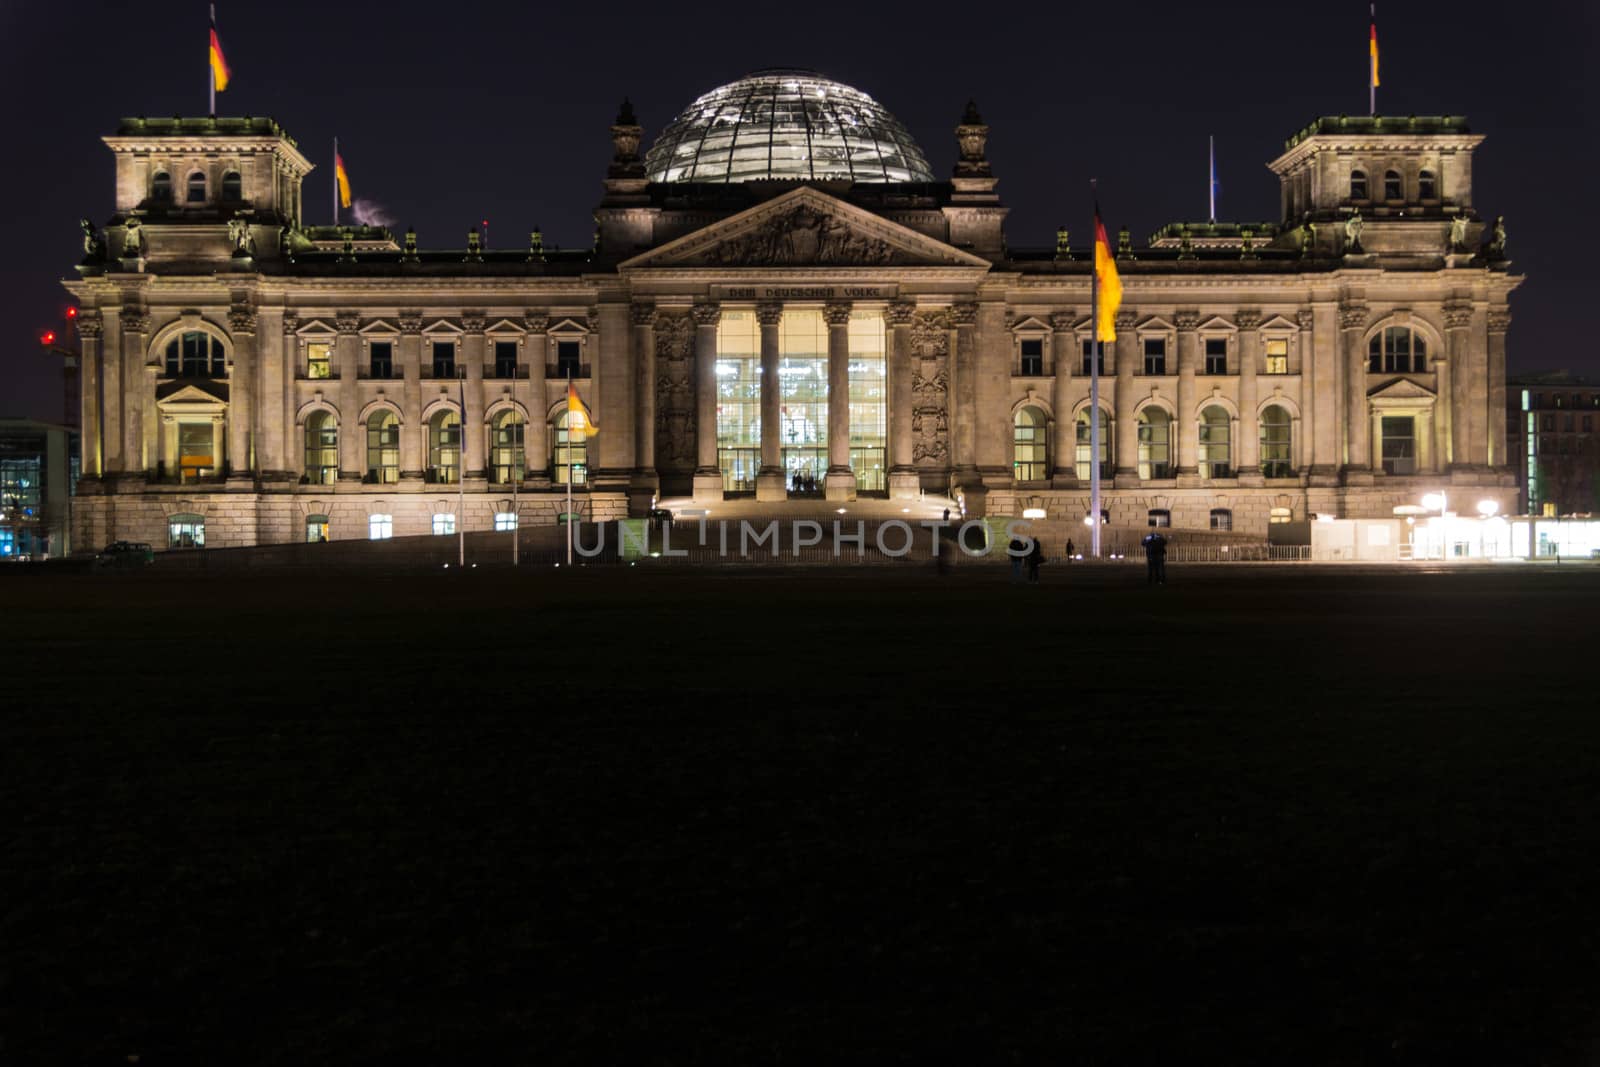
1264, 815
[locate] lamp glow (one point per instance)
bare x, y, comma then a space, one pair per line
1033, 513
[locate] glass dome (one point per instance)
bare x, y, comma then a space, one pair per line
786, 125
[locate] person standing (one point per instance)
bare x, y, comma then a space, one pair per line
1155, 558
1035, 557
1071, 551
1018, 553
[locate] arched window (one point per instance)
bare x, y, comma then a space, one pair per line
1081, 460
1392, 186
1277, 443
1159, 517
186, 531
383, 448
232, 187
1358, 185
1397, 350
197, 188
444, 446
380, 527
316, 529
322, 449
1155, 443
1427, 186
1030, 462
161, 188
1221, 519
1216, 443
506, 453
571, 454
196, 354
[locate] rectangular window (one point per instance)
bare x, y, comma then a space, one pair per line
1399, 444
505, 359
444, 523
869, 401
803, 398
1032, 357
1216, 355
1155, 355
505, 521
738, 400
444, 359
1588, 423
1567, 424
1547, 423
1278, 356
194, 450
1088, 357
382, 359
380, 527
567, 355
319, 361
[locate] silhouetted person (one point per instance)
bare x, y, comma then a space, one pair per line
1071, 551
1035, 557
1017, 553
1155, 558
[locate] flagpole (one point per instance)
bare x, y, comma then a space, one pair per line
211, 70
569, 468
336, 181
1372, 77
1094, 383
1213, 186
516, 514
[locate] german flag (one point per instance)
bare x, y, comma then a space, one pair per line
342, 176
1374, 47
1105, 270
577, 417
219, 65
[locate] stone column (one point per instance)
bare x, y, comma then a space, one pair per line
536, 436
770, 479
1248, 448
707, 471
1187, 424
219, 453
1358, 431
135, 339
1499, 325
645, 479
346, 358
1126, 445
840, 482
964, 402
1301, 451
903, 480
413, 434
241, 396
114, 319
472, 430
89, 328
1064, 438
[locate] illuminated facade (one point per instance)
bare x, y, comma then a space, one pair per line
782, 304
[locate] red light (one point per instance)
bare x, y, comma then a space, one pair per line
72, 313
48, 337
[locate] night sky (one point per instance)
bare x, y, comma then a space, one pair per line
449, 113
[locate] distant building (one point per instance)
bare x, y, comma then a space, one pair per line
783, 301
38, 475
1553, 435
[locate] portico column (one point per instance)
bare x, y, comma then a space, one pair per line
1126, 460
1358, 450
707, 471
89, 384
1249, 448
1187, 426
536, 435
645, 480
346, 358
964, 405
840, 482
218, 452
1499, 325
242, 393
472, 428
903, 481
1064, 441
1452, 389
412, 432
770, 482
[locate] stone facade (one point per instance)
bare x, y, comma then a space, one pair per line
248, 369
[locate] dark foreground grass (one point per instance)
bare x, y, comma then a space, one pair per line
1263, 815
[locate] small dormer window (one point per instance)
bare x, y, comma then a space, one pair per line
1358, 185
1427, 186
232, 187
1392, 189
161, 188
197, 188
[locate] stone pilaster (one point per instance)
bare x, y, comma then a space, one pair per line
646, 481
1358, 432
130, 395
1186, 426
1248, 447
242, 396
903, 480
473, 434
964, 402
273, 328
413, 434
770, 482
1499, 323
346, 360
293, 438
1309, 369
707, 471
536, 435
610, 397
89, 331
111, 364
1452, 388
1064, 429
840, 481
1126, 445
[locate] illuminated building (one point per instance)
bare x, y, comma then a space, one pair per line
783, 301
1553, 442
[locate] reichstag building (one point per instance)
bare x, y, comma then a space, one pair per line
783, 303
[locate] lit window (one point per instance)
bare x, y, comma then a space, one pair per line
186, 531
1392, 186
1030, 461
383, 447
1085, 446
1399, 444
1279, 516
1155, 355
1032, 357
1358, 185
380, 527
316, 529
506, 452
869, 398
505, 521
197, 188
1216, 355
1397, 350
322, 449
1155, 443
738, 373
1277, 356
444, 447
319, 361
196, 451
1159, 517
1221, 519
1216, 443
444, 523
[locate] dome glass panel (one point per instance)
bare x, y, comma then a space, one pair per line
786, 125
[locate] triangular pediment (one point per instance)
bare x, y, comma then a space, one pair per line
192, 395
505, 327
1216, 323
1278, 322
380, 328
1154, 324
805, 228
1031, 324
443, 327
1402, 389
315, 328
567, 326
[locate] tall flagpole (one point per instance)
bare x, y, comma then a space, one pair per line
336, 182
1213, 186
569, 467
461, 470
1094, 381
1372, 77
211, 68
